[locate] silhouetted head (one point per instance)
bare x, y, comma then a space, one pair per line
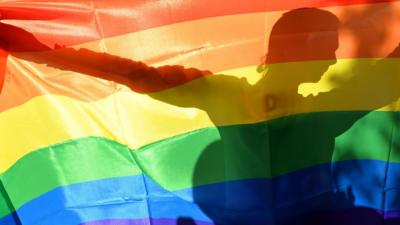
303, 35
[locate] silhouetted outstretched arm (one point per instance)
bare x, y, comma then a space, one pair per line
372, 86
147, 79
138, 76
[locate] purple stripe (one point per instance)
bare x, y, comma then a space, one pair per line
178, 221
365, 216
392, 215
360, 215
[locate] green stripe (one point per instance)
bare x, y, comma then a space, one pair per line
5, 203
63, 164
210, 155
269, 149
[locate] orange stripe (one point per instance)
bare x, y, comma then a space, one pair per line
200, 44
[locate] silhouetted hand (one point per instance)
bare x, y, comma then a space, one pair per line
15, 39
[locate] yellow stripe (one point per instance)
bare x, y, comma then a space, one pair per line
136, 119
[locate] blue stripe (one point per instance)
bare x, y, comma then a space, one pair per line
325, 187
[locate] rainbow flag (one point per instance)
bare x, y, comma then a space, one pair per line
268, 112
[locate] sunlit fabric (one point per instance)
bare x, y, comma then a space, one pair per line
185, 112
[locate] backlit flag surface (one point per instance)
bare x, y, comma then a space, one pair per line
199, 112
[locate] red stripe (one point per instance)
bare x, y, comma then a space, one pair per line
3, 62
74, 22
